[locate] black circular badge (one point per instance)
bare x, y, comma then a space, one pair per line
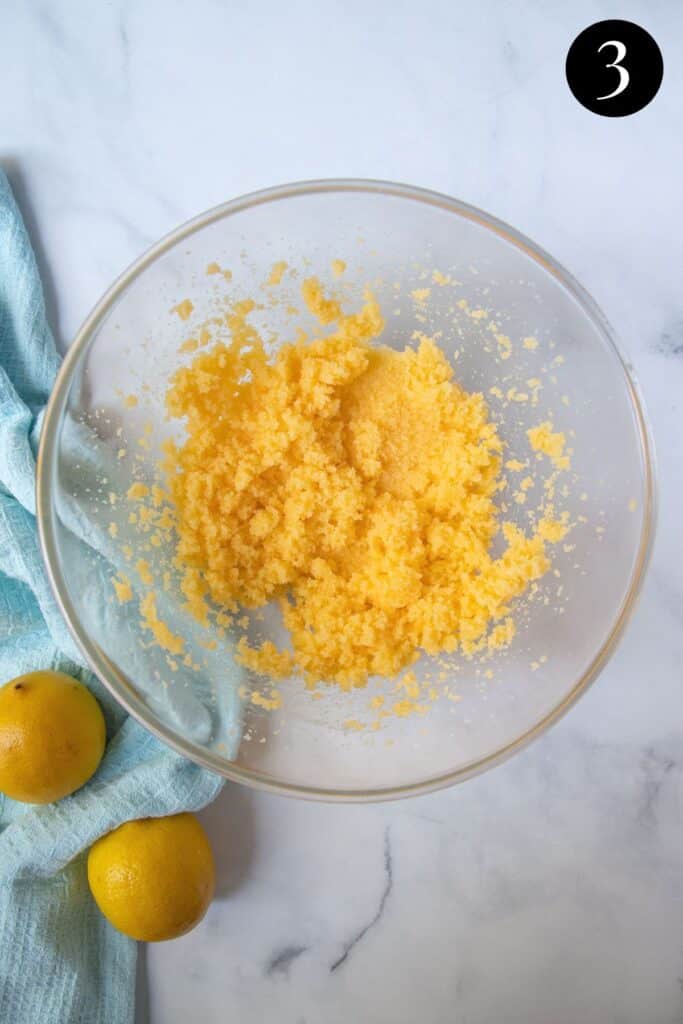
614, 68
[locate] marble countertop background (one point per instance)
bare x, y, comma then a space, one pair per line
550, 890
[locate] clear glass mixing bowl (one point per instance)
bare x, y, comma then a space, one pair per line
389, 235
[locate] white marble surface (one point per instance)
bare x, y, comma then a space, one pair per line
550, 890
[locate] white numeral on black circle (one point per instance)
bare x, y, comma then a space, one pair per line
624, 77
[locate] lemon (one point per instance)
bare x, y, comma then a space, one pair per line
52, 736
153, 879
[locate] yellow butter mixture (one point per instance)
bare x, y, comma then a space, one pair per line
354, 484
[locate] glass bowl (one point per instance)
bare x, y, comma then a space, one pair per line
490, 289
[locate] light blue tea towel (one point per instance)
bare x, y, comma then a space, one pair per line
60, 961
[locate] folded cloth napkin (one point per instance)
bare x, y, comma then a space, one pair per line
60, 961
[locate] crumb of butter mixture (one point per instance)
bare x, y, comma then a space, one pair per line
159, 630
122, 589
354, 484
544, 440
277, 272
271, 703
184, 309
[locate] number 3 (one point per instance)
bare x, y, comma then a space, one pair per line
624, 77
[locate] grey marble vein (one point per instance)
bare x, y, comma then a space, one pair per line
281, 961
52, 25
670, 341
351, 944
656, 766
124, 40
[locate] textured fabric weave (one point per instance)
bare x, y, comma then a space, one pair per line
60, 961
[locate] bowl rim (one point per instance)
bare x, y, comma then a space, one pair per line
117, 683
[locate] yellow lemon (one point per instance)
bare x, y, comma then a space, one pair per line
153, 879
52, 736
